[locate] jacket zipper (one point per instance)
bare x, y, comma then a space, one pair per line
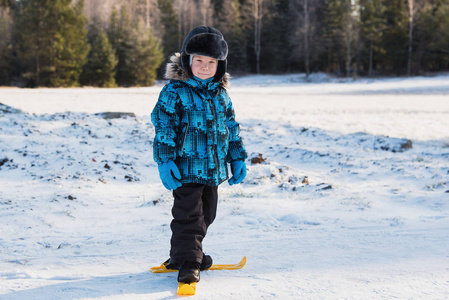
185, 136
215, 142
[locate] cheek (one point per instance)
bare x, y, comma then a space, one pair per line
194, 68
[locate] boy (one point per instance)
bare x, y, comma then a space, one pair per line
196, 136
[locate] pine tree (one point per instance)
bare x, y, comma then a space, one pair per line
113, 28
147, 56
100, 67
276, 52
52, 42
70, 44
395, 37
171, 38
138, 51
6, 56
120, 35
340, 34
332, 32
33, 39
440, 43
373, 23
227, 19
432, 37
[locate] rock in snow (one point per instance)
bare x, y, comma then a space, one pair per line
115, 115
392, 144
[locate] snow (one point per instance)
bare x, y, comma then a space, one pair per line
336, 208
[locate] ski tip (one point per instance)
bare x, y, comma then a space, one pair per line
236, 266
161, 269
242, 263
186, 289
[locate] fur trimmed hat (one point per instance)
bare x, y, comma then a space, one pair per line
205, 41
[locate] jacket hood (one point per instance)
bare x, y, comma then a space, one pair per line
175, 71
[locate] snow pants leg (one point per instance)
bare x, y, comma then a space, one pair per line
194, 209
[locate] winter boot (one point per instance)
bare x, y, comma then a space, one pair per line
189, 272
170, 265
206, 263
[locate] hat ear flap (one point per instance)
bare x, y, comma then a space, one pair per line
221, 70
185, 64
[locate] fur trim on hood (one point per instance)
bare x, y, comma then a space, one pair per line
175, 71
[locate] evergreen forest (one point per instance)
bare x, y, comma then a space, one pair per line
109, 43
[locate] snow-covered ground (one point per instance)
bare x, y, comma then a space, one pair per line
339, 208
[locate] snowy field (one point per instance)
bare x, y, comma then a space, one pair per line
347, 198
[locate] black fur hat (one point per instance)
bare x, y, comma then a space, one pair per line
205, 41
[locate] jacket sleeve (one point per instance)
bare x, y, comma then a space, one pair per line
236, 149
165, 120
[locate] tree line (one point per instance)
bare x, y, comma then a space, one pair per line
127, 42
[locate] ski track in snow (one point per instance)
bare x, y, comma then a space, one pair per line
330, 212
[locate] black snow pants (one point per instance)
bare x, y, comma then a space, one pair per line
194, 209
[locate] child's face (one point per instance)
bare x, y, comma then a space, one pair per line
204, 67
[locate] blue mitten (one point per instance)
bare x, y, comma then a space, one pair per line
170, 175
238, 169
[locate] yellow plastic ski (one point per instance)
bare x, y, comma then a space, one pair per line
186, 289
162, 268
237, 266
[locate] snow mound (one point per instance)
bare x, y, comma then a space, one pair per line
6, 109
335, 198
284, 177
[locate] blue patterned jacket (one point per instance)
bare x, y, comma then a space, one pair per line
196, 128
